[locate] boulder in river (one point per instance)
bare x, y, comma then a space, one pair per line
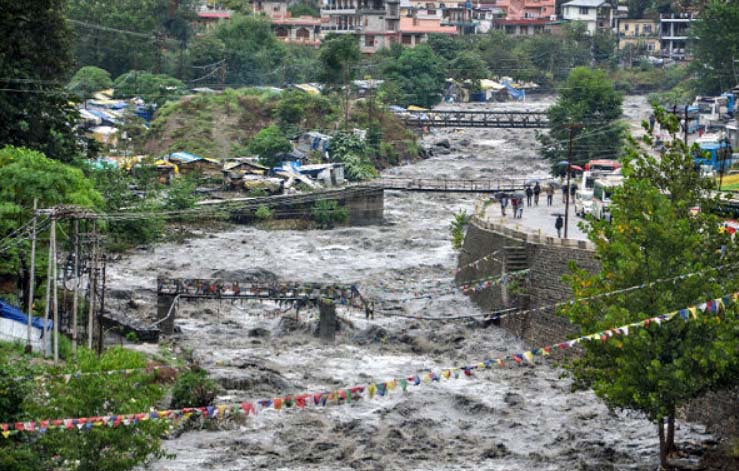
443, 143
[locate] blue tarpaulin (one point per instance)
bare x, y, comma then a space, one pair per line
11, 312
184, 157
514, 93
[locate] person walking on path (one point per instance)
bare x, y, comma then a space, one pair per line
573, 189
520, 208
558, 225
503, 203
537, 190
564, 193
529, 194
514, 206
550, 194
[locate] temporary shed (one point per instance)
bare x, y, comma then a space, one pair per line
14, 327
187, 162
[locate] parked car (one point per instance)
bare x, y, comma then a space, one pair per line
583, 202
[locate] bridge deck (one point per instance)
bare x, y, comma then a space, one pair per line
479, 119
450, 185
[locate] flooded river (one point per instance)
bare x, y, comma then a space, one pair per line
514, 418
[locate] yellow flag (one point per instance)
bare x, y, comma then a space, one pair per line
693, 312
372, 389
529, 357
390, 385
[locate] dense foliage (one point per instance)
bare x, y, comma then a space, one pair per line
99, 448
194, 389
88, 80
328, 213
588, 100
655, 235
268, 144
716, 47
152, 88
35, 61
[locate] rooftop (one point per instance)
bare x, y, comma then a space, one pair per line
587, 3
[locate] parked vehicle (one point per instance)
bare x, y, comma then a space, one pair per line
602, 193
583, 202
714, 152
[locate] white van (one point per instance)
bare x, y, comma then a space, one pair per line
602, 192
583, 202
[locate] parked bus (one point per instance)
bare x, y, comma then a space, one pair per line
598, 168
602, 193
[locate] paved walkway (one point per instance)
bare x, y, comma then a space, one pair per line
538, 219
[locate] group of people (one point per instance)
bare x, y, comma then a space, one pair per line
516, 204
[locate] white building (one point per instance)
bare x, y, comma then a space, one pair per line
598, 15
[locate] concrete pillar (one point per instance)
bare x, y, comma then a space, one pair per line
327, 321
164, 304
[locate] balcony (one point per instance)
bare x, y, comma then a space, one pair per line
338, 11
341, 29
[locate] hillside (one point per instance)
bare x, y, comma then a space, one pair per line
221, 125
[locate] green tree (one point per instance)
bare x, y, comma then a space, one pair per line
715, 42
447, 46
655, 235
305, 8
353, 152
206, 50
268, 144
419, 75
98, 448
469, 66
152, 88
339, 57
88, 80
34, 59
26, 175
588, 99
253, 53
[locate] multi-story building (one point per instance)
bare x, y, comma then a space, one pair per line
639, 33
302, 29
376, 23
674, 34
598, 15
526, 9
467, 17
414, 30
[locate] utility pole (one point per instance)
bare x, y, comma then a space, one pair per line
686, 126
75, 294
55, 300
572, 128
102, 311
93, 283
48, 289
32, 280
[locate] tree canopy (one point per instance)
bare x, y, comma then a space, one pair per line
655, 235
35, 61
88, 80
717, 47
419, 74
268, 144
588, 99
152, 88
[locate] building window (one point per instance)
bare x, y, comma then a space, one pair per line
647, 29
584, 10
430, 12
407, 40
369, 41
626, 27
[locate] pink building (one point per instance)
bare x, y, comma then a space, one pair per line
416, 30
526, 9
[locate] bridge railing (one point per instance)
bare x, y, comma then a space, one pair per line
467, 118
451, 184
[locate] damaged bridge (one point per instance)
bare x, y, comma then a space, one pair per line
171, 290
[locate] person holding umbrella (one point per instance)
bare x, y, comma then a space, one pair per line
503, 198
514, 206
529, 194
537, 190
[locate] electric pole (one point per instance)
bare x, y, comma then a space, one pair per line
55, 300
102, 311
48, 291
686, 126
572, 128
75, 294
32, 280
92, 283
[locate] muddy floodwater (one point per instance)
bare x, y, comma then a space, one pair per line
512, 418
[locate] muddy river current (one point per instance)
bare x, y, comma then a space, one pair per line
512, 418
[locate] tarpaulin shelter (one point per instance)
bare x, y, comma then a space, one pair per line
14, 327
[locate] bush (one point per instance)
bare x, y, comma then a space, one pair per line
457, 228
263, 213
181, 194
194, 389
268, 144
328, 213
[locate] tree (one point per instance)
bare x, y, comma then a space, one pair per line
419, 75
655, 235
36, 110
268, 144
152, 88
353, 152
88, 80
339, 57
98, 448
715, 42
206, 50
305, 8
253, 53
588, 98
469, 66
27, 175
